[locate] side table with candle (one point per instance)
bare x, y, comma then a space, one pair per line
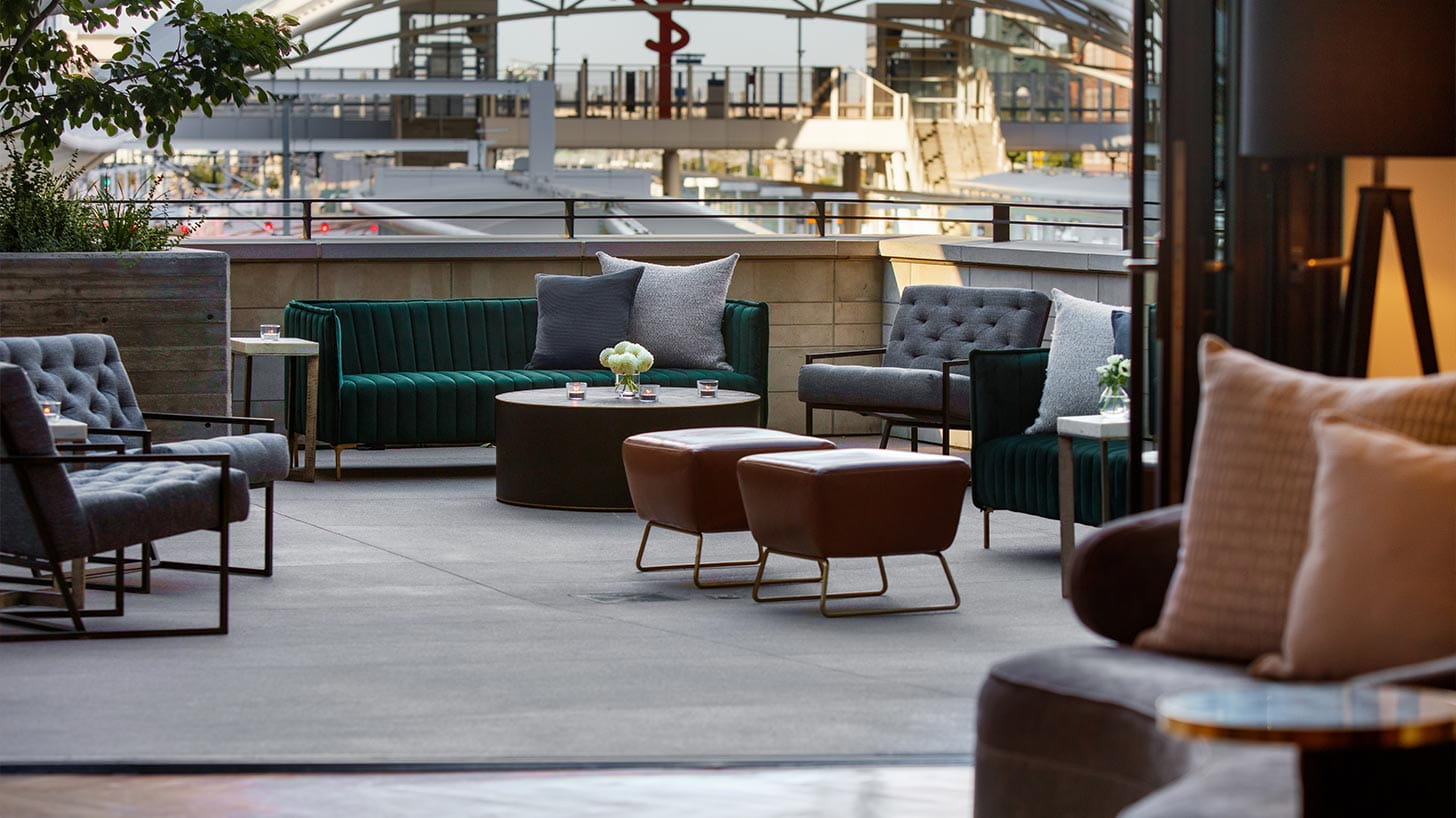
250, 348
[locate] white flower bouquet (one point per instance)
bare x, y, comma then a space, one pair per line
627, 361
1115, 373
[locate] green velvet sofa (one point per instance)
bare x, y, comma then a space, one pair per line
406, 372
1014, 471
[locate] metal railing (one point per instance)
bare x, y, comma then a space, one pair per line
823, 216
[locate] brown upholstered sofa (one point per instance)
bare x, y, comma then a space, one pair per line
1071, 731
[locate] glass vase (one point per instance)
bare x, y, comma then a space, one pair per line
627, 386
1113, 403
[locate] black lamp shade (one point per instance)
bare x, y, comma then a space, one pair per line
1348, 78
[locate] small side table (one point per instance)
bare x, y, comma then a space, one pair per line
1378, 750
250, 348
1101, 429
66, 430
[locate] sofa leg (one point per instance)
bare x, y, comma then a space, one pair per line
885, 435
809, 420
338, 458
986, 528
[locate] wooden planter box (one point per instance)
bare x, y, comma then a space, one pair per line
167, 310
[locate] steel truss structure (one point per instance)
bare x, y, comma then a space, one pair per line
1106, 23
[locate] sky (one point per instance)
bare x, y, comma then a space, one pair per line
611, 39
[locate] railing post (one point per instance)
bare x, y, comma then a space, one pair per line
1000, 222
821, 208
1127, 228
570, 218
308, 218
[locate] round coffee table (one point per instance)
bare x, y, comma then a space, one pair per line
1376, 750
552, 452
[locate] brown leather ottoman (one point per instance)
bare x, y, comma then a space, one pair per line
686, 480
853, 503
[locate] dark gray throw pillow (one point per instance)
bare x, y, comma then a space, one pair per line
1122, 333
579, 316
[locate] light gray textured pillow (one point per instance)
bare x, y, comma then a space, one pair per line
1081, 342
678, 312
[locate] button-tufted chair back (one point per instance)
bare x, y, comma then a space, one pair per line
40, 495
84, 372
938, 323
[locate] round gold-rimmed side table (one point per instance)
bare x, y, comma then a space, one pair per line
1363, 750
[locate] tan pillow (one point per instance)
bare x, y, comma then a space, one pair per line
1246, 514
1377, 587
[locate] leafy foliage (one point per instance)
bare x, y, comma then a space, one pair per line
39, 214
49, 83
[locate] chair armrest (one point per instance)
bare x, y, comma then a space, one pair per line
52, 459
118, 448
1434, 673
144, 434
844, 353
1119, 575
188, 417
318, 323
1006, 386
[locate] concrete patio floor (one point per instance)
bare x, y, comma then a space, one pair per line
414, 619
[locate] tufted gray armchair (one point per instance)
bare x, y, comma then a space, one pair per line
924, 380
51, 517
85, 373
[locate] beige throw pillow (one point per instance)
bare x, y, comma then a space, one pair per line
1377, 587
1246, 514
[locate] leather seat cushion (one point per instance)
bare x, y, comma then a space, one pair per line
889, 388
130, 503
853, 502
263, 456
1077, 726
688, 478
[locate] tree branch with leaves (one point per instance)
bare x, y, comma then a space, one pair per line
50, 83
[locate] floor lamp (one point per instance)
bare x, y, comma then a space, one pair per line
1322, 78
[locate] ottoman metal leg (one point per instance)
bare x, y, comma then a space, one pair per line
697, 564
824, 596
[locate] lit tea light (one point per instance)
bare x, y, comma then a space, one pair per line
707, 389
576, 390
270, 332
647, 392
51, 409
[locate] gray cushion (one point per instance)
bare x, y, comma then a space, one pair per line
130, 503
262, 456
23, 432
1072, 731
578, 316
678, 312
1081, 342
84, 372
938, 323
888, 388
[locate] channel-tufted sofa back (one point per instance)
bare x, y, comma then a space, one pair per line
938, 323
84, 372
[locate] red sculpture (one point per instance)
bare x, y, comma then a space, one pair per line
665, 45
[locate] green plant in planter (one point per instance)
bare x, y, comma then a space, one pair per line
39, 213
49, 83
